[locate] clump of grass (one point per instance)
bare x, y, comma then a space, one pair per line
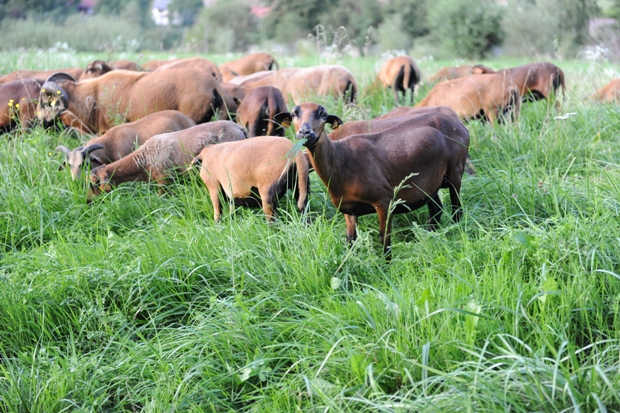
141, 302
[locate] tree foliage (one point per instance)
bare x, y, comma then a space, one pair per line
186, 11
226, 26
20, 9
467, 29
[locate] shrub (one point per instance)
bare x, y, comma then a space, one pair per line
546, 26
466, 29
223, 27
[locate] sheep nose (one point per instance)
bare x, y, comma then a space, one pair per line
305, 132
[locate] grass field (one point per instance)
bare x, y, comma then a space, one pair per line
139, 302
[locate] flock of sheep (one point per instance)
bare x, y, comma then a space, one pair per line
165, 108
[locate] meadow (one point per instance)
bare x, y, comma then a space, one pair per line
140, 302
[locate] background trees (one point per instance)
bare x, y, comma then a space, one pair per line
455, 28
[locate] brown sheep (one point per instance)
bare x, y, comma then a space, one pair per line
476, 96
94, 105
608, 93
254, 172
163, 155
534, 81
233, 97
299, 83
197, 63
123, 139
452, 72
39, 74
18, 102
126, 65
362, 172
399, 73
257, 110
252, 63
95, 69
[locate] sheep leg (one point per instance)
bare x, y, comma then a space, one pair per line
454, 186
269, 201
214, 193
351, 222
385, 230
435, 210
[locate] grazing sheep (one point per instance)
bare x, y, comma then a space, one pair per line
298, 83
534, 81
123, 139
399, 73
233, 96
163, 155
452, 72
246, 65
257, 110
196, 63
476, 96
18, 102
39, 74
119, 96
610, 93
95, 69
254, 172
408, 110
126, 65
362, 172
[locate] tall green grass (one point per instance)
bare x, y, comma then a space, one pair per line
140, 302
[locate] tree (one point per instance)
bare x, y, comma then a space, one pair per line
110, 7
20, 9
466, 29
298, 17
186, 10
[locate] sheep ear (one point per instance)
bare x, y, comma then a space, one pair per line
62, 166
95, 158
335, 121
284, 119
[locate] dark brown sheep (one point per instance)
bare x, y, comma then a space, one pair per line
296, 84
163, 155
534, 81
399, 73
95, 69
476, 96
362, 172
246, 65
257, 110
254, 172
18, 103
123, 139
233, 97
95, 105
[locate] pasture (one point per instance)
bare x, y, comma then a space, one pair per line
140, 302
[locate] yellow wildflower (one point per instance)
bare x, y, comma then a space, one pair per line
17, 106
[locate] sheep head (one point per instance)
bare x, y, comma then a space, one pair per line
53, 99
309, 120
79, 157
